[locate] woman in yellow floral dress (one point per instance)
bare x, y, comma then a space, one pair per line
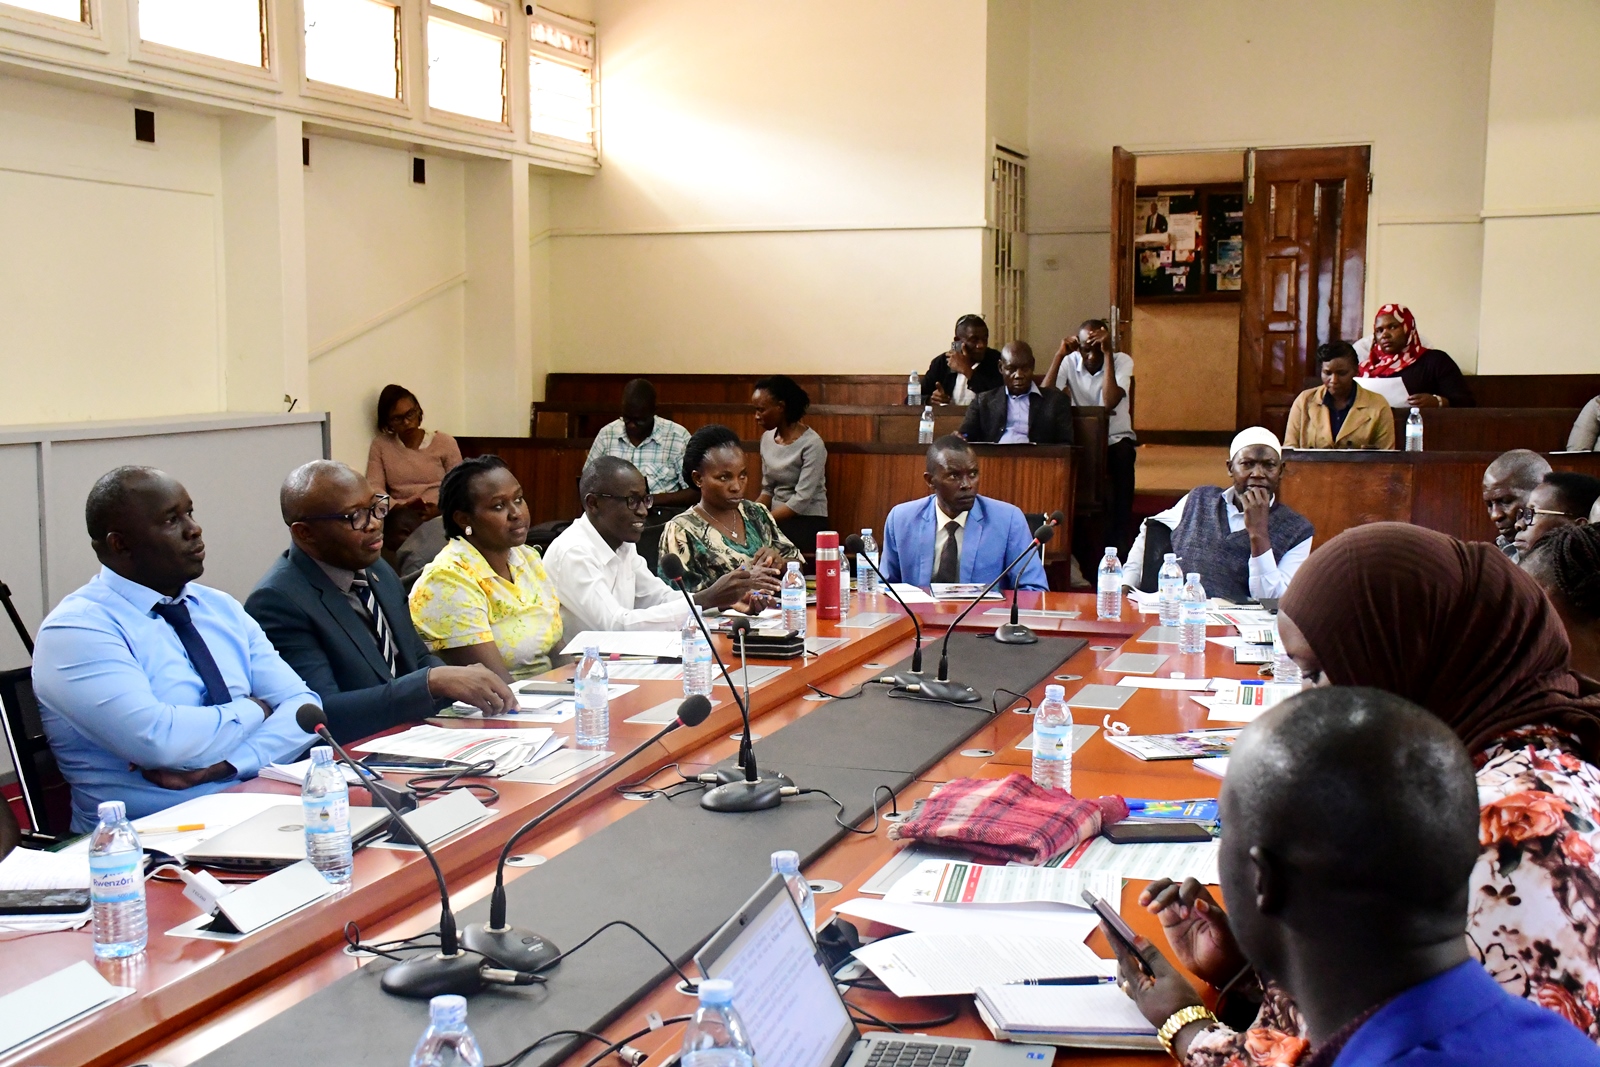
486, 597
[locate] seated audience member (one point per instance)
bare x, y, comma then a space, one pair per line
486, 598
418, 550
1586, 429
1567, 564
652, 444
1019, 412
1079, 370
1242, 540
794, 461
1395, 349
1506, 485
406, 463
1339, 413
337, 614
955, 535
600, 579
1562, 498
970, 366
154, 689
1351, 829
724, 531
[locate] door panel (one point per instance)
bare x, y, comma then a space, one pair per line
1124, 182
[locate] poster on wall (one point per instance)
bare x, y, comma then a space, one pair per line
1167, 236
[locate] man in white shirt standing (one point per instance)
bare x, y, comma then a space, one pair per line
1079, 370
1242, 540
600, 579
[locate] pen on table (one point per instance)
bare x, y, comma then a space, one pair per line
1081, 979
182, 828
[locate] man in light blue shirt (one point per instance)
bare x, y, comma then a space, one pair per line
152, 689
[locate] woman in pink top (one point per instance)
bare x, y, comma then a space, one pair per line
407, 463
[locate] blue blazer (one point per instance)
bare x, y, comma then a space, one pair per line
996, 533
318, 633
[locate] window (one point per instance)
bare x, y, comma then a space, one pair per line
354, 44
234, 30
560, 80
467, 59
1009, 219
74, 10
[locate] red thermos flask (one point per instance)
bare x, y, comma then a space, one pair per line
828, 575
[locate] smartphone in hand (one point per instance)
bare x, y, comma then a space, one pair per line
1117, 931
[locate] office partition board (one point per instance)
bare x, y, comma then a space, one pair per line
671, 868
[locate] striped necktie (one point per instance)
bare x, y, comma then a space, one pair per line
380, 622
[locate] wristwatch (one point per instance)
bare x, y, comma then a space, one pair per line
1178, 1020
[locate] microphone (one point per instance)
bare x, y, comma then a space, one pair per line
751, 792
523, 950
942, 688
905, 679
450, 970
1013, 632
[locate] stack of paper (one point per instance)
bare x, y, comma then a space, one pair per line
934, 965
178, 829
1191, 744
959, 882
1244, 701
1154, 859
545, 707
1083, 1016
649, 644
510, 750
962, 591
295, 773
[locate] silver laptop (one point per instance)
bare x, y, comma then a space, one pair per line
794, 1013
276, 838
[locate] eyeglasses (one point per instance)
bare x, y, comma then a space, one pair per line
634, 503
403, 418
360, 518
1527, 513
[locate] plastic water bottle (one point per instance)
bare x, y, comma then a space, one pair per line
1414, 431
325, 810
1192, 615
1052, 741
925, 427
866, 577
844, 589
1169, 589
594, 702
793, 599
914, 390
1284, 668
787, 863
1108, 602
116, 884
447, 1042
696, 658
716, 1036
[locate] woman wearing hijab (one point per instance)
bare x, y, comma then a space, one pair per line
1395, 350
1457, 628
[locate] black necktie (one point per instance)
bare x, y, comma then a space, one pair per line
949, 568
177, 616
375, 615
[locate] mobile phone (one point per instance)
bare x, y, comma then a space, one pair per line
538, 688
43, 901
1130, 833
1116, 929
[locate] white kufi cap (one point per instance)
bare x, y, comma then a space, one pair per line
1254, 435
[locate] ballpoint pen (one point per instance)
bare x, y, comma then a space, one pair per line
1081, 979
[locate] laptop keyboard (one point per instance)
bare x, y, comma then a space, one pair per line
917, 1054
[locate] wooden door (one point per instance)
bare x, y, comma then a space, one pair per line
1124, 180
1305, 251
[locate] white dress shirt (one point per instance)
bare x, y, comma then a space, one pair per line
1089, 390
605, 589
1269, 577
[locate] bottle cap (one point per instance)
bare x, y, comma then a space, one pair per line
113, 811
321, 754
448, 1010
1111, 550
717, 991
866, 531
786, 861
1055, 692
794, 566
828, 539
1170, 557
1192, 576
592, 650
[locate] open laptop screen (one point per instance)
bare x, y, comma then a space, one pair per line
781, 990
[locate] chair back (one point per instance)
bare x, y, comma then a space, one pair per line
46, 797
1157, 543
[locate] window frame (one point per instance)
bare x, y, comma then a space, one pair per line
327, 92
454, 119
578, 28
171, 57
88, 33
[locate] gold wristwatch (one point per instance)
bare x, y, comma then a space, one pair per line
1178, 1020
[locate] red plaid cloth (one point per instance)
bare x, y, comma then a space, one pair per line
1009, 819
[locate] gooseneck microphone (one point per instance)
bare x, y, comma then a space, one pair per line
1013, 632
942, 688
450, 970
523, 950
749, 792
905, 679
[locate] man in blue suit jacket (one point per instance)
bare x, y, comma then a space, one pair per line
983, 533
338, 615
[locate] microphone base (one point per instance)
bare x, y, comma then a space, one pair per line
908, 679
730, 775
1014, 633
742, 796
512, 948
425, 977
402, 797
954, 692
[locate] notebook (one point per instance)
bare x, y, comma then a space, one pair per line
1073, 1016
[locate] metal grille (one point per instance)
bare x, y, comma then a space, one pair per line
1009, 181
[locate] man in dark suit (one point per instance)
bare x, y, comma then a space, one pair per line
1019, 411
337, 613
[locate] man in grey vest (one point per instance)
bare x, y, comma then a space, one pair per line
1244, 543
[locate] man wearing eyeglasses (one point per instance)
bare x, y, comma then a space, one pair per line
337, 613
1562, 498
602, 582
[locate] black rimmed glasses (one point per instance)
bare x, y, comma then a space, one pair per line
1528, 513
633, 501
360, 518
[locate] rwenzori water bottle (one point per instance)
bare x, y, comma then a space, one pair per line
914, 390
925, 427
844, 588
594, 702
716, 1036
1192, 615
1052, 741
1414, 431
866, 577
793, 598
696, 658
1169, 589
325, 810
447, 1042
787, 863
116, 884
1284, 668
1108, 601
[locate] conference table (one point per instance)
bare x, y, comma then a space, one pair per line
194, 997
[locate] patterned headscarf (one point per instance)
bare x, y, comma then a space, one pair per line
1380, 364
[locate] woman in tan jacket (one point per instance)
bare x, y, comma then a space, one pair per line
1339, 413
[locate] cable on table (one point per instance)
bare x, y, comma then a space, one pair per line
894, 808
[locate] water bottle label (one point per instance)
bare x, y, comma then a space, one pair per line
1050, 742
116, 878
327, 814
1110, 583
794, 600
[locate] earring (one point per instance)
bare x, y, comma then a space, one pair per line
467, 532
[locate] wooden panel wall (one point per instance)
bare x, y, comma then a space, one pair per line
727, 388
1485, 429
